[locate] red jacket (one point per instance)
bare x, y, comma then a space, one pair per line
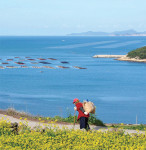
81, 114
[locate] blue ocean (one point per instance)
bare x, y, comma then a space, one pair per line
117, 88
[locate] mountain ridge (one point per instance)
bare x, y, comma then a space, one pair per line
129, 32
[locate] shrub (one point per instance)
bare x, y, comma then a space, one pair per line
93, 120
139, 53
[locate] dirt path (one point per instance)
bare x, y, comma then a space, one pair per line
33, 124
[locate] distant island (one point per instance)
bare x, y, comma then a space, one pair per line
116, 33
138, 55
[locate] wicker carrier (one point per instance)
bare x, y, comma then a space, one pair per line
89, 107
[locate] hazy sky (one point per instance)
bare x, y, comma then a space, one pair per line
60, 17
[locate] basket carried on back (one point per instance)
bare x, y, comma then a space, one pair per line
89, 107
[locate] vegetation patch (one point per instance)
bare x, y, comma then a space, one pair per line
130, 127
139, 53
93, 120
27, 138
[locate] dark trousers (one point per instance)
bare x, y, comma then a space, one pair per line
84, 123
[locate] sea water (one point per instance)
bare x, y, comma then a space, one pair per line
117, 88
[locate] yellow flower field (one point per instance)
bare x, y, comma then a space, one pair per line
55, 139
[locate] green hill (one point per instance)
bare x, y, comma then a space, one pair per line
138, 53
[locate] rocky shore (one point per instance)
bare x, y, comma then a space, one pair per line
108, 56
125, 58
121, 58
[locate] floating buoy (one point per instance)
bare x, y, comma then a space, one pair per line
64, 62
20, 63
63, 67
79, 67
34, 63
35, 67
24, 66
41, 59
11, 67
1, 67
31, 59
52, 58
21, 60
43, 62
48, 67
9, 59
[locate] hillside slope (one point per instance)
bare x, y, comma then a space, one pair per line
139, 53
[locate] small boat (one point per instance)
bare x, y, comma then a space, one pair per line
20, 63
27, 57
16, 57
62, 67
52, 58
64, 62
79, 67
5, 63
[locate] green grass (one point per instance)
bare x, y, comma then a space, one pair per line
92, 119
131, 127
139, 53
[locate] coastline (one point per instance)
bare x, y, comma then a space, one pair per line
125, 58
121, 58
108, 56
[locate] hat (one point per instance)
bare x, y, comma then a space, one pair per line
75, 100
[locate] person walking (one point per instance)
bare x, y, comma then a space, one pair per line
82, 116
